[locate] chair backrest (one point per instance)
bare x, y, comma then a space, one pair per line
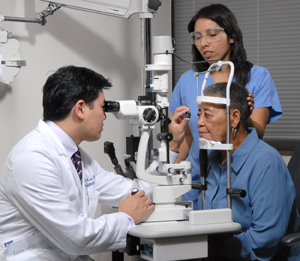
294, 169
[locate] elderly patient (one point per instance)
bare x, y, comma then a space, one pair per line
267, 212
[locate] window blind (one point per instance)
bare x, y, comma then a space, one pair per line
271, 38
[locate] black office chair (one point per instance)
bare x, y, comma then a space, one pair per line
294, 169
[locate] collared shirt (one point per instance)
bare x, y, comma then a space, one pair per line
264, 213
65, 139
71, 148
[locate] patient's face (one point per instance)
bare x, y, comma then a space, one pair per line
212, 122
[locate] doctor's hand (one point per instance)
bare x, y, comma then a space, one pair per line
177, 127
137, 206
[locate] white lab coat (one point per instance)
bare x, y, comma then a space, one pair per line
42, 201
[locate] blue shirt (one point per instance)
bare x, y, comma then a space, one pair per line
264, 213
260, 84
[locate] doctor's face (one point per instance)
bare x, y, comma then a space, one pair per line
94, 119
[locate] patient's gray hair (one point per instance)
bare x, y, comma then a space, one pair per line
238, 98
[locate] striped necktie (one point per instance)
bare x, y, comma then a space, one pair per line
76, 159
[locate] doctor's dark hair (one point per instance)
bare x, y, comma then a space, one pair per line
68, 85
221, 15
238, 98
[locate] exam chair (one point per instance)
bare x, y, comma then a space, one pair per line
294, 169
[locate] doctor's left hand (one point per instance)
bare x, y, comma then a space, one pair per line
138, 206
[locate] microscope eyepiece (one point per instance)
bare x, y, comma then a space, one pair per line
111, 106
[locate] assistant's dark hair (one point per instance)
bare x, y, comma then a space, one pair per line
221, 15
238, 98
68, 85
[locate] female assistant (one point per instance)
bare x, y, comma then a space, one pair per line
215, 36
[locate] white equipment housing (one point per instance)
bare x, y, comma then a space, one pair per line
118, 8
10, 59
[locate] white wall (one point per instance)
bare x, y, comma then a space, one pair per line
108, 45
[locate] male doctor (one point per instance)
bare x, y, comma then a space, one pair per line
48, 198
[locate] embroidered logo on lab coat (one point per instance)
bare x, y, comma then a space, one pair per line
89, 182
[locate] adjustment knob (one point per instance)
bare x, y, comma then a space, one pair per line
134, 191
164, 137
154, 4
149, 115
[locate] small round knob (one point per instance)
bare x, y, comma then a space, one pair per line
154, 4
171, 170
134, 191
149, 115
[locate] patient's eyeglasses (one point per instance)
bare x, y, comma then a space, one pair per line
211, 35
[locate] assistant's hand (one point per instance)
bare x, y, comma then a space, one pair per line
177, 127
250, 100
138, 206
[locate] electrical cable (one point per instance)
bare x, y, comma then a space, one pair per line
190, 61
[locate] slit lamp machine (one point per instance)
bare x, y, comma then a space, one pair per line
174, 231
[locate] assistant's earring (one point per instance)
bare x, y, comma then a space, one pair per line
234, 130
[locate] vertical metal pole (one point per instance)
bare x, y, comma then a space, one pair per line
146, 75
228, 138
146, 52
148, 47
202, 178
228, 155
203, 192
229, 132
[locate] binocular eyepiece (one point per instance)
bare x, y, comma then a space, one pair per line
111, 106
